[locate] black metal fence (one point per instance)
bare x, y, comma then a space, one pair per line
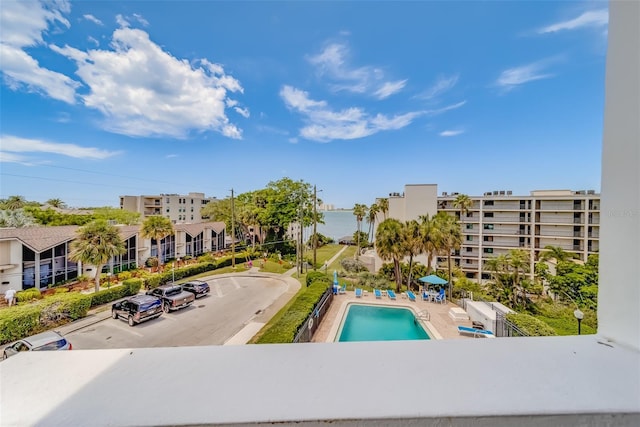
308, 328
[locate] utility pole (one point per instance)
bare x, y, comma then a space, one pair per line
301, 251
315, 223
233, 234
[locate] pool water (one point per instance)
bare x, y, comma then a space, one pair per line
374, 323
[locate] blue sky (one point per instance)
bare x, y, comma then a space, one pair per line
102, 99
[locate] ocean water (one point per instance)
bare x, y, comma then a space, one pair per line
340, 224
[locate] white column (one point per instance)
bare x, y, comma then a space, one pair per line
619, 287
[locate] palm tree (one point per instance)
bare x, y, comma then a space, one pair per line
371, 219
557, 253
56, 203
431, 239
15, 202
389, 245
383, 205
518, 261
157, 228
450, 239
360, 211
17, 218
413, 244
96, 244
463, 203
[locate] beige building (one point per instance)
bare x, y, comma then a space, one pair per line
499, 221
176, 207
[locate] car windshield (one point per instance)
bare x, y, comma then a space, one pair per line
173, 292
55, 345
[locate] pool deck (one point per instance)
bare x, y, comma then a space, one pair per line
440, 325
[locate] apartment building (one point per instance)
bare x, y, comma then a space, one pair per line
36, 257
499, 221
176, 207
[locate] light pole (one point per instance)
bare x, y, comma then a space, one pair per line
579, 315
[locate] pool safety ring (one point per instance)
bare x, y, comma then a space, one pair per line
311, 323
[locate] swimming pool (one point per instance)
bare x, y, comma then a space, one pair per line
378, 323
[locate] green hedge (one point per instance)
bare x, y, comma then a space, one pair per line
28, 295
285, 329
179, 273
530, 325
128, 287
24, 320
316, 276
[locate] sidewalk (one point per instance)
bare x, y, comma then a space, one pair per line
292, 271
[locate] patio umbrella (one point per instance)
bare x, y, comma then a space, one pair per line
433, 280
335, 277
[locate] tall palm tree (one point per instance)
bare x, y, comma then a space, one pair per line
96, 243
413, 244
450, 240
360, 211
463, 203
371, 219
557, 253
56, 203
383, 205
15, 202
518, 260
157, 228
389, 245
431, 239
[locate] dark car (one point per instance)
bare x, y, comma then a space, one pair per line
173, 297
50, 340
137, 309
198, 288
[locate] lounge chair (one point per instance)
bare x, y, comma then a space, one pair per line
343, 289
411, 296
377, 293
465, 330
426, 296
441, 297
358, 292
391, 294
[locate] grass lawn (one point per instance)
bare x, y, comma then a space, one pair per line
567, 326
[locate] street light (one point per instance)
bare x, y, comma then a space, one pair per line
579, 315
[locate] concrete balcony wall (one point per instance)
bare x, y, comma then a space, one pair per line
556, 230
503, 205
556, 218
553, 205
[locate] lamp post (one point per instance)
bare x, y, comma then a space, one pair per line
579, 315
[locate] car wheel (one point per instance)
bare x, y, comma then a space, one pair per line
165, 308
131, 322
4, 355
114, 314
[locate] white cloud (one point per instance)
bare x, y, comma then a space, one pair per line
12, 144
591, 18
122, 21
332, 63
93, 40
6, 157
513, 77
244, 112
451, 132
445, 109
171, 156
141, 19
441, 85
23, 24
92, 18
390, 88
143, 90
324, 124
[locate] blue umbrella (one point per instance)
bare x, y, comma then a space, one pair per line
335, 277
433, 279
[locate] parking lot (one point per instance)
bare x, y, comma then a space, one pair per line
233, 302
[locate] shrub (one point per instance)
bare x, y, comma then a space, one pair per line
71, 305
285, 329
316, 276
530, 325
61, 290
18, 322
352, 265
128, 287
28, 295
124, 275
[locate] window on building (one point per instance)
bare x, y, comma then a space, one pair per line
191, 201
168, 200
488, 202
469, 226
488, 226
469, 238
469, 249
488, 214
487, 250
488, 238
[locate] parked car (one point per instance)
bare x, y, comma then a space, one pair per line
173, 297
49, 340
198, 288
137, 309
